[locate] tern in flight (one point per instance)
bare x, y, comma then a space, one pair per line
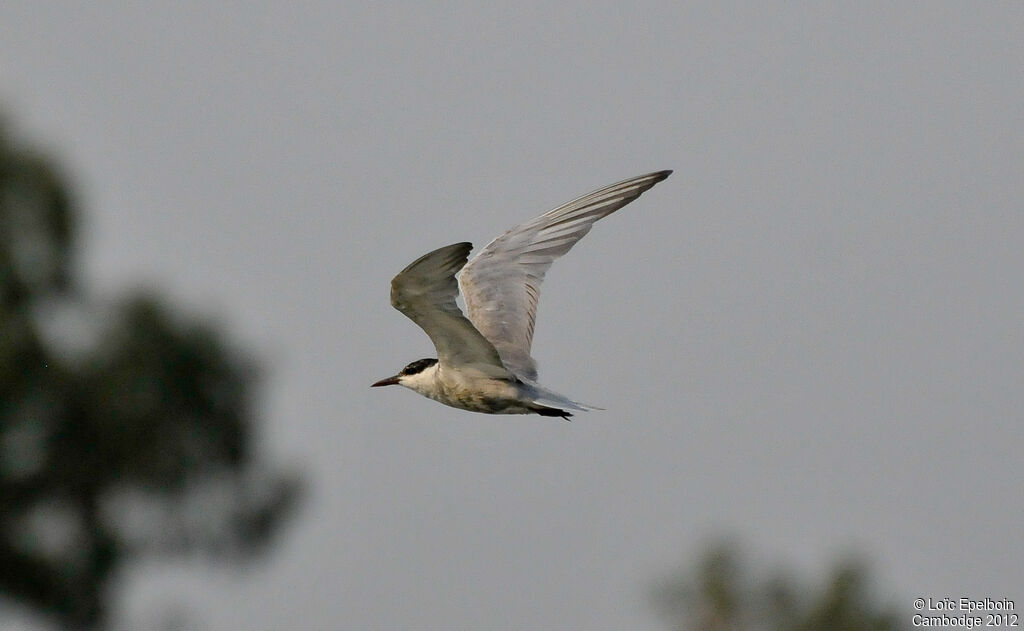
483, 363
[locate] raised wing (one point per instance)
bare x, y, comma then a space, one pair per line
425, 292
501, 285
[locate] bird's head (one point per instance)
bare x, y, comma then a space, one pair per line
411, 375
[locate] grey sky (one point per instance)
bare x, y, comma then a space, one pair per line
810, 336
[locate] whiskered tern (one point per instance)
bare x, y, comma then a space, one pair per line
483, 363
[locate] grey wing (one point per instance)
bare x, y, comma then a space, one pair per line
501, 285
425, 292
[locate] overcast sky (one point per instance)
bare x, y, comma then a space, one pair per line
809, 337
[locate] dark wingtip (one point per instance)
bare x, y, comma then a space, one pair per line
458, 253
661, 175
454, 253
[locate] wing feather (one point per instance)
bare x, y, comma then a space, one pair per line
425, 292
501, 285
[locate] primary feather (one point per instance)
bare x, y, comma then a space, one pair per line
501, 285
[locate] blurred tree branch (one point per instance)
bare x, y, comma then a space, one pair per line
723, 594
140, 442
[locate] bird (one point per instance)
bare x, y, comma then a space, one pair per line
483, 361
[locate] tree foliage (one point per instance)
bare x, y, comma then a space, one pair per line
723, 594
135, 439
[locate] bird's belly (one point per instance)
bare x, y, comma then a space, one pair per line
489, 397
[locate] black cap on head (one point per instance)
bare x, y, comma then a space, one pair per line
418, 366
